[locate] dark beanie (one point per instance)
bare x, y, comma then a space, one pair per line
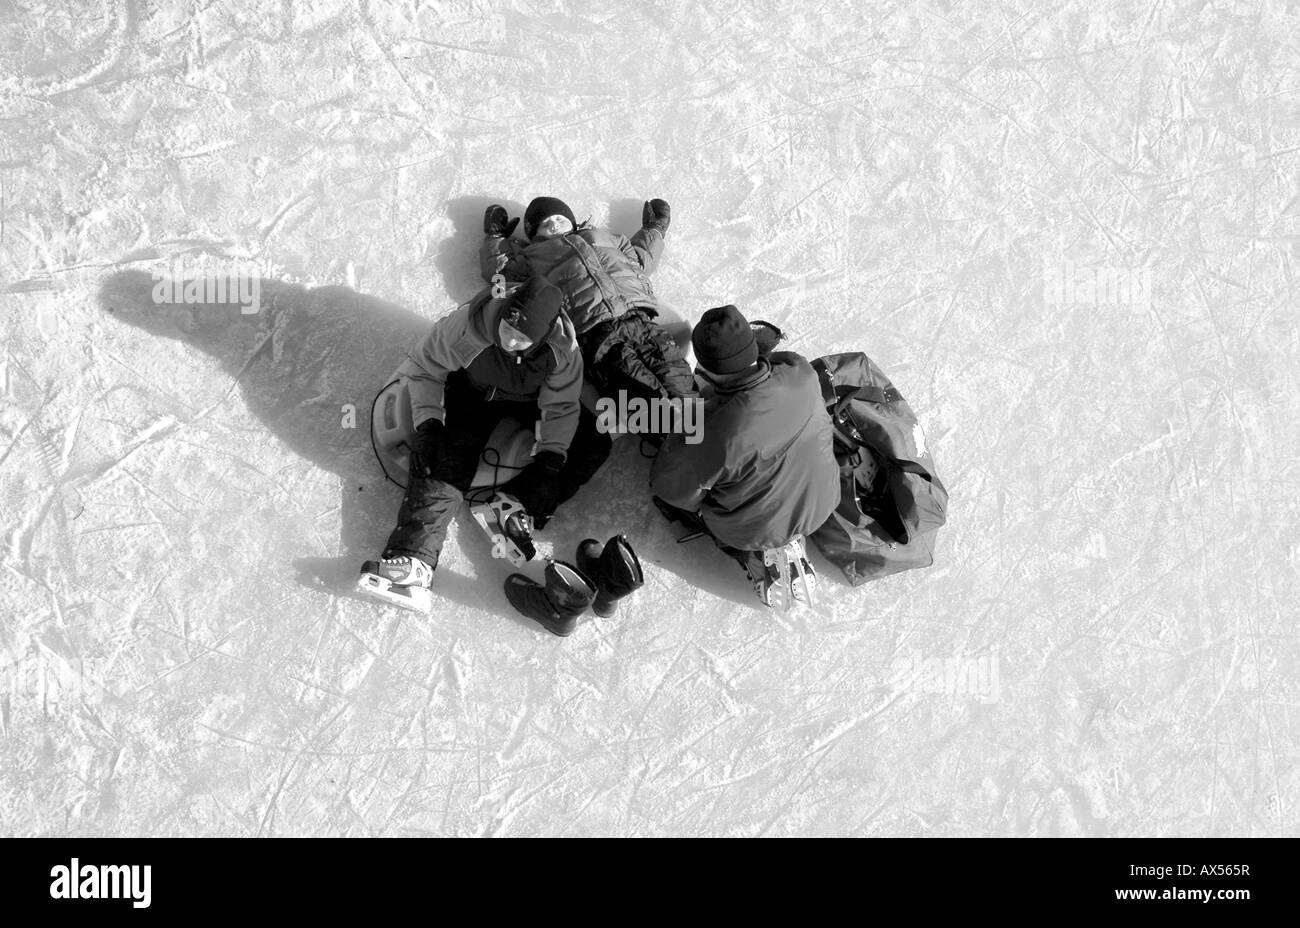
540, 208
533, 308
724, 341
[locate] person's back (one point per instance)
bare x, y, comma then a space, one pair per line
764, 469
773, 442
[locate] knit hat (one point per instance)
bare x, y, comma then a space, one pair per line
533, 308
540, 208
724, 341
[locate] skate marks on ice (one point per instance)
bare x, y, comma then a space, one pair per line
617, 499
299, 363
457, 258
305, 355
625, 214
296, 364
96, 56
468, 580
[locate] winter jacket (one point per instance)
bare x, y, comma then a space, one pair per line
765, 467
465, 340
602, 274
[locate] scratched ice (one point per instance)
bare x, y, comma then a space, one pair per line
184, 507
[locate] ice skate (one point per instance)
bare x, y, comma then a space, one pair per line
505, 521
789, 574
763, 582
399, 581
761, 576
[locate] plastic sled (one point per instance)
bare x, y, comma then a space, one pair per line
509, 449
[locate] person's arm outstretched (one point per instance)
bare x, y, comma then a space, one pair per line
647, 243
500, 253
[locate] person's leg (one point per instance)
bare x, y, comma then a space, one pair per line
432, 499
689, 519
693, 522
587, 453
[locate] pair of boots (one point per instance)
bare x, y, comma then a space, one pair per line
601, 576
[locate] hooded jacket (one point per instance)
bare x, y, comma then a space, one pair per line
765, 467
549, 374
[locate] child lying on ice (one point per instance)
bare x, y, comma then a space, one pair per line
605, 278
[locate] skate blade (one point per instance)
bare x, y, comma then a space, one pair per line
502, 546
803, 589
415, 598
801, 571
778, 589
787, 561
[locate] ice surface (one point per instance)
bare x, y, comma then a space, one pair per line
945, 186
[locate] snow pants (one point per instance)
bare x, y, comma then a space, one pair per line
431, 501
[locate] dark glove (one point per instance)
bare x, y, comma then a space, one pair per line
497, 222
424, 447
670, 512
655, 215
542, 482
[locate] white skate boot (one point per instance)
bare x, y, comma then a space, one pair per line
401, 581
789, 574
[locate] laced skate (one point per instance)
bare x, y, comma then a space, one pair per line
763, 578
505, 521
400, 581
789, 573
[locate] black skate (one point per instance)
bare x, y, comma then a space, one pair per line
399, 581
509, 526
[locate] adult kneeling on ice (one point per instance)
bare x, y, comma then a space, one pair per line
763, 473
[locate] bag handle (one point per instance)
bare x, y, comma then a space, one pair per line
911, 467
871, 393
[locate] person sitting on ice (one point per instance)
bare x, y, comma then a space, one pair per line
490, 359
606, 278
764, 473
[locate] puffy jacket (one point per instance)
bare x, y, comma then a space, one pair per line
765, 467
603, 275
465, 340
